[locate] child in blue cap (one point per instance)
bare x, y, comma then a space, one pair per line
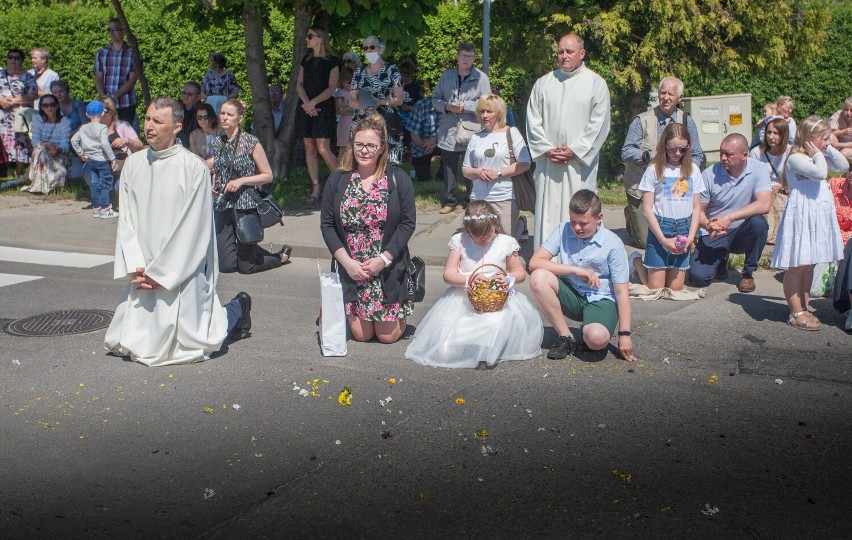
91, 142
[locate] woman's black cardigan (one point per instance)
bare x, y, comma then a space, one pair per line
399, 227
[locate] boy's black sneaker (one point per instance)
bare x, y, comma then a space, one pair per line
564, 346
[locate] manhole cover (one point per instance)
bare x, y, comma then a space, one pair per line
60, 323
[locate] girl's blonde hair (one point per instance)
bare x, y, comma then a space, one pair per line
809, 130
481, 219
373, 122
673, 131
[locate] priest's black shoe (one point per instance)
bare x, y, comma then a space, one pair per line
243, 328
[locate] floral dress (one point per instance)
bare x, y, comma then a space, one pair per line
18, 146
363, 214
380, 86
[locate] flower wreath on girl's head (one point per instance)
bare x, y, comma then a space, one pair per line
481, 217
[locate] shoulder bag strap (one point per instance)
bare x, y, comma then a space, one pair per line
511, 149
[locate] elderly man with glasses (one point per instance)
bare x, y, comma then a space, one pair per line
115, 76
639, 149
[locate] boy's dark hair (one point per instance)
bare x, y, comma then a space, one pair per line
585, 200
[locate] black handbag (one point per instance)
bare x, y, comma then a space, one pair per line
267, 207
416, 274
248, 226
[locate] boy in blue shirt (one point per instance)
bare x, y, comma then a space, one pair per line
588, 283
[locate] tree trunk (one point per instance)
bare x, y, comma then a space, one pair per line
137, 56
282, 151
264, 127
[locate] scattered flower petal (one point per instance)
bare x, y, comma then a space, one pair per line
713, 379
236, 406
779, 381
481, 434
337, 441
385, 434
208, 493
208, 410
392, 380
625, 477
666, 360
602, 426
710, 510
460, 401
258, 455
16, 362
345, 397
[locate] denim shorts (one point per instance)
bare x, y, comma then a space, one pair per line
656, 256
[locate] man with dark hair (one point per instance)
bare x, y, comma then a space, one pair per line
190, 96
588, 283
165, 250
732, 220
115, 75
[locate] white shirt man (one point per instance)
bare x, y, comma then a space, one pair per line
567, 123
165, 250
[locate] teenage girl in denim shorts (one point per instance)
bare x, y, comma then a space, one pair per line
671, 202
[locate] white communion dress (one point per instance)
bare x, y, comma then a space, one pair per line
454, 335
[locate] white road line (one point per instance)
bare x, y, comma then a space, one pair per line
14, 279
53, 258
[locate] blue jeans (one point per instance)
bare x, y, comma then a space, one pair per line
749, 239
658, 257
101, 174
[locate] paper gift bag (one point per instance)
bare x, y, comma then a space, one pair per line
332, 319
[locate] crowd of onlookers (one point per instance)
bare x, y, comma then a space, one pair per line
363, 118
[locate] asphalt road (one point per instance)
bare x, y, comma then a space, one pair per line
732, 424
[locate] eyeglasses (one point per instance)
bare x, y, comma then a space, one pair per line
311, 36
190, 94
203, 117
49, 104
370, 147
677, 149
115, 30
15, 57
370, 47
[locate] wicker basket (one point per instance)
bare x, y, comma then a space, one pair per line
483, 298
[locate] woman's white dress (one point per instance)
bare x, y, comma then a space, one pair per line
454, 335
809, 232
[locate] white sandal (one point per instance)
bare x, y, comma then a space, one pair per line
807, 323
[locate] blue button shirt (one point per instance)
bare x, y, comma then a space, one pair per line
604, 253
723, 194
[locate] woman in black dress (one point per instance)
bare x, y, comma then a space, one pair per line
315, 120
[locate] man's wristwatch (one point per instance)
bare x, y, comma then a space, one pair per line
624, 333
387, 261
500, 173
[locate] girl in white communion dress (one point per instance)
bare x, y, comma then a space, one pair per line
453, 334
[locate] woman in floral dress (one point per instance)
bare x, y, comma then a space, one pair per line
368, 216
17, 90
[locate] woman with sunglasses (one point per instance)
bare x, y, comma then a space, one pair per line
377, 87
315, 116
201, 138
17, 90
368, 217
51, 140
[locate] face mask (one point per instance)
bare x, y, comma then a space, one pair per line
372, 57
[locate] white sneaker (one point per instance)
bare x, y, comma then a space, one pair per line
96, 212
848, 325
108, 213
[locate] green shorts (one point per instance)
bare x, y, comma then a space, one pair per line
576, 307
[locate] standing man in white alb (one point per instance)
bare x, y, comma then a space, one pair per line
567, 124
165, 249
